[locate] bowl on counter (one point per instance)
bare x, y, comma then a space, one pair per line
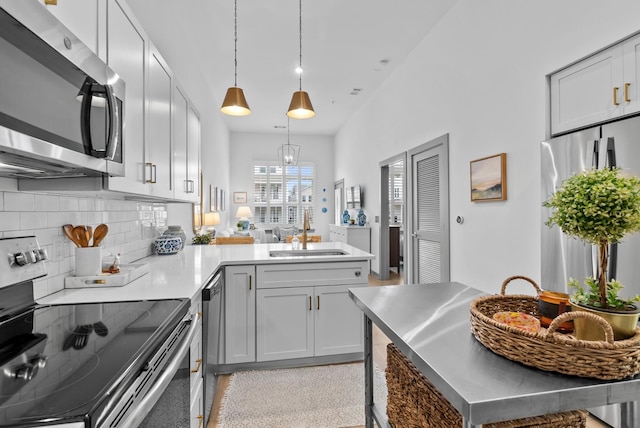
167, 244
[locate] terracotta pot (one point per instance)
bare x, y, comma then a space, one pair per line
624, 324
550, 305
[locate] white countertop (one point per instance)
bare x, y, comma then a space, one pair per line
182, 275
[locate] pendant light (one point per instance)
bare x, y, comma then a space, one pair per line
234, 103
288, 153
300, 107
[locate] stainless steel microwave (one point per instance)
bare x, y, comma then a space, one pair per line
61, 107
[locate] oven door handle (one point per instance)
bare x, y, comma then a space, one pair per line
138, 413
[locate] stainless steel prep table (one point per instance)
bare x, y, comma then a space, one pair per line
429, 323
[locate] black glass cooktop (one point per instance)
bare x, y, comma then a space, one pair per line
62, 363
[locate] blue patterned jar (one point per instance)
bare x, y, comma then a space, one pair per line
362, 218
168, 244
345, 217
176, 231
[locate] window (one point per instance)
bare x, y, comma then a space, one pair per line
281, 194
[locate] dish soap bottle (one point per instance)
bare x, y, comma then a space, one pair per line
295, 243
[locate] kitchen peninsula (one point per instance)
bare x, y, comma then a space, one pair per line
429, 324
276, 307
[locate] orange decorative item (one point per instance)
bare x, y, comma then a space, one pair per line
550, 305
519, 320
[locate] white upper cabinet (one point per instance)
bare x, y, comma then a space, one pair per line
158, 144
126, 55
601, 87
193, 154
186, 147
81, 17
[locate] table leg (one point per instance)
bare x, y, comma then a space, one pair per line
467, 424
368, 372
629, 414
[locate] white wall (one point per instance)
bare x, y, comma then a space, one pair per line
480, 76
249, 147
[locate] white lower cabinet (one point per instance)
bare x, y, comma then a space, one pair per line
239, 314
196, 419
284, 323
196, 369
304, 310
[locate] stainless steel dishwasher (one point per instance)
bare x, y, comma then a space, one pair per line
211, 324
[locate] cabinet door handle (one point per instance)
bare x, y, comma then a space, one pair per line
615, 96
200, 420
197, 369
152, 172
309, 302
318, 305
626, 92
188, 186
250, 280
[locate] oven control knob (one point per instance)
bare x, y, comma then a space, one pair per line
20, 258
24, 372
40, 361
41, 254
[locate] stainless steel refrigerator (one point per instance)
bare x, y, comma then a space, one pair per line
613, 144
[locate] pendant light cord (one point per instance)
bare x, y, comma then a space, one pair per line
235, 43
300, 63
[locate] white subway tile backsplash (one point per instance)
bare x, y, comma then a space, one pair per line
43, 215
9, 221
47, 203
19, 201
68, 203
33, 220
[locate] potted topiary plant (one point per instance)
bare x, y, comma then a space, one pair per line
600, 207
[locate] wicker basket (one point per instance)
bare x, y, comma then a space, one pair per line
413, 402
547, 349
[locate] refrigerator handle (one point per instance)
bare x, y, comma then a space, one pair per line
611, 152
596, 154
613, 248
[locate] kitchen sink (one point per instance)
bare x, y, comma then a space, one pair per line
307, 253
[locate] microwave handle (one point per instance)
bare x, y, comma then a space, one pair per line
112, 138
85, 122
137, 415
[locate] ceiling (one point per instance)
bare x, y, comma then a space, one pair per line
349, 47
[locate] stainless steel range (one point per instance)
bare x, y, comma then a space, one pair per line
81, 365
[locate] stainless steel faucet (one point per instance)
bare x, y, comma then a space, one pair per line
306, 226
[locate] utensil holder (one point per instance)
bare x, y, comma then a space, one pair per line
88, 261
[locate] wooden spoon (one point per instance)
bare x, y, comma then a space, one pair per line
80, 232
100, 234
68, 231
89, 234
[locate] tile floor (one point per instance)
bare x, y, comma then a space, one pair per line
380, 342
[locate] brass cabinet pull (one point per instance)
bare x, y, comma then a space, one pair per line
318, 305
309, 302
200, 420
615, 96
197, 369
626, 92
152, 172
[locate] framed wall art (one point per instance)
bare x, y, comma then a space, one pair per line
239, 197
221, 200
489, 178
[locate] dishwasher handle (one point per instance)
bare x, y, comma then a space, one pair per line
137, 414
213, 287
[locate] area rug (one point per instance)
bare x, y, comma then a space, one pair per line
330, 396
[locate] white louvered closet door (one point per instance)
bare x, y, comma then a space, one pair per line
430, 213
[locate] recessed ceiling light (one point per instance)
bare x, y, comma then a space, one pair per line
355, 91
